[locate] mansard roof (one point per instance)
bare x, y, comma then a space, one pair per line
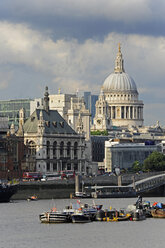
53, 123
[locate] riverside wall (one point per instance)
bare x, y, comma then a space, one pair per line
64, 188
44, 190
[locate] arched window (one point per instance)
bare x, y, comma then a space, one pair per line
55, 149
48, 167
61, 148
48, 149
54, 166
31, 148
68, 149
75, 149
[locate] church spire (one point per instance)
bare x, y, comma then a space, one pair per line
46, 99
119, 62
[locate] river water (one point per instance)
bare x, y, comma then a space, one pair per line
20, 227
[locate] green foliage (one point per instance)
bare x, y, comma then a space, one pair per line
97, 132
137, 166
154, 162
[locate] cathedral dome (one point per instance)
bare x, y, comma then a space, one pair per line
119, 81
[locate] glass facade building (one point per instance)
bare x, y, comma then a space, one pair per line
90, 101
11, 108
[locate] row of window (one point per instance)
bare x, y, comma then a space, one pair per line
32, 148
128, 96
68, 148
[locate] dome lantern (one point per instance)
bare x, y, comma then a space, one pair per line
119, 62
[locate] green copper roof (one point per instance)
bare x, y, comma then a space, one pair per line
54, 123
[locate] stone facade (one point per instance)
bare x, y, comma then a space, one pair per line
52, 145
72, 109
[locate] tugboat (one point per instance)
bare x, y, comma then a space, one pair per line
137, 211
6, 191
80, 217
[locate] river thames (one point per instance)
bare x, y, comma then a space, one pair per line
20, 227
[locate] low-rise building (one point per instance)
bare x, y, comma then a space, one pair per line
123, 155
12, 152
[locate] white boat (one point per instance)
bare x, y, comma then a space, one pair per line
55, 217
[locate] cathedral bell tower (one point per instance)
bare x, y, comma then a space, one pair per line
101, 120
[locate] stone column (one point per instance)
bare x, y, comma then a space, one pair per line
141, 112
58, 169
136, 113
111, 112
71, 153
129, 112
59, 165
64, 151
58, 152
124, 112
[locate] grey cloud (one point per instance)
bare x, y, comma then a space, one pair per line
34, 58
85, 19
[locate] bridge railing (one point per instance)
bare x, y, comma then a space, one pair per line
150, 183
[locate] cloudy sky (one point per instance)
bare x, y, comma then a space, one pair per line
72, 45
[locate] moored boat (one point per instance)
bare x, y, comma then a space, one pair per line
80, 217
106, 215
121, 216
147, 208
80, 195
90, 210
138, 214
55, 217
158, 210
112, 215
158, 213
7, 191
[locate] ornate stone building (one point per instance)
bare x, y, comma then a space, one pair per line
72, 109
118, 103
52, 145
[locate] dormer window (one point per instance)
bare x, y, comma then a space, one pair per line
61, 123
47, 123
54, 123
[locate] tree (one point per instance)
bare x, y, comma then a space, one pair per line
154, 162
97, 132
137, 166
